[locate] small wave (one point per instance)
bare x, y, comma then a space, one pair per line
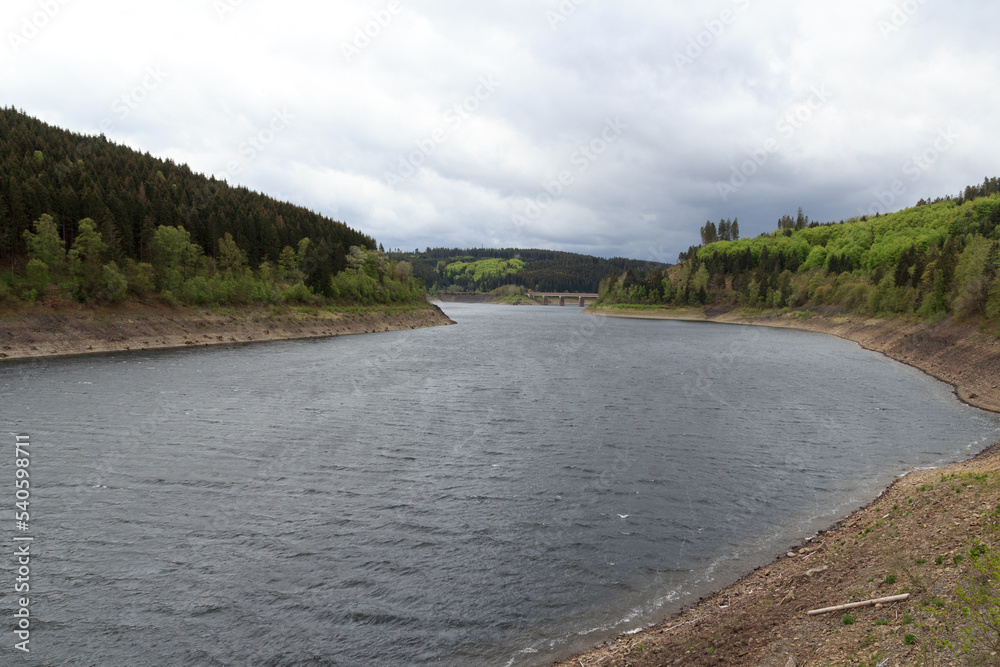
523, 651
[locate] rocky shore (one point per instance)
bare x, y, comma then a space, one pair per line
71, 330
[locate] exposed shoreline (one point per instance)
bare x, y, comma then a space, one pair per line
43, 333
444, 297
923, 516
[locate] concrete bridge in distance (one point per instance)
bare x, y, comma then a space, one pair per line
547, 297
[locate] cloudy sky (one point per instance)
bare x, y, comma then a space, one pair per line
608, 128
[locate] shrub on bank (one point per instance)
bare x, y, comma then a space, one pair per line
115, 283
183, 275
298, 293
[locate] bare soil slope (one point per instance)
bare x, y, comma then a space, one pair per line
76, 330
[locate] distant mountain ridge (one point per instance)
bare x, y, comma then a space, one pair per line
487, 269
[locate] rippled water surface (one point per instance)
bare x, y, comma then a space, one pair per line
504, 491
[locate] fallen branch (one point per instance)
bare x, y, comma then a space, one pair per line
854, 605
674, 627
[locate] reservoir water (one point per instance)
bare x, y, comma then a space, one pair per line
502, 492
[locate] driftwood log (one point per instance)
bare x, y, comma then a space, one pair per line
855, 605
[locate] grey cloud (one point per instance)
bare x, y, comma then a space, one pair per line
702, 92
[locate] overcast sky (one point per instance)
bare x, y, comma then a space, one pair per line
608, 128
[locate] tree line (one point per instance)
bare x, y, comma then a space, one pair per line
482, 270
129, 195
726, 230
181, 273
86, 219
938, 259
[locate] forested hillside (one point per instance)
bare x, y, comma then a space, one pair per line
937, 259
47, 170
480, 270
84, 218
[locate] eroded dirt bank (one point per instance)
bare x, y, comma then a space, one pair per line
66, 331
